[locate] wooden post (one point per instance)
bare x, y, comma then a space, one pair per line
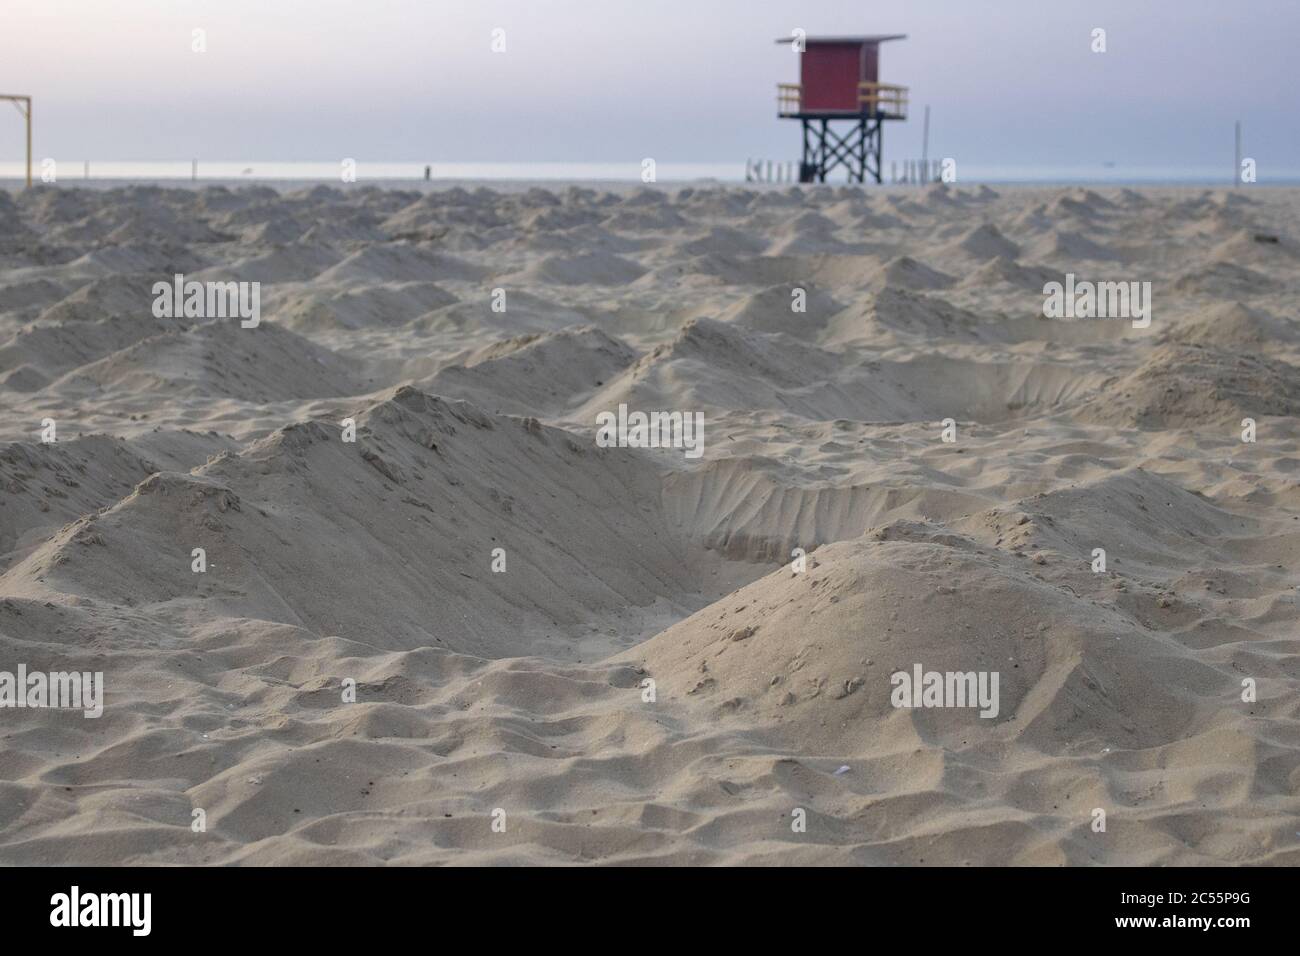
23, 104
194, 170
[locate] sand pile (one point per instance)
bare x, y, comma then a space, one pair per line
549, 373
1182, 386
1233, 325
986, 242
429, 584
218, 360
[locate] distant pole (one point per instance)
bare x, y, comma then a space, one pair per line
925, 138
1236, 168
194, 170
87, 172
29, 142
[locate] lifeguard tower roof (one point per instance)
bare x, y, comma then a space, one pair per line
877, 38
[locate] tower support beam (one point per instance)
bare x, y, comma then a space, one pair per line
831, 142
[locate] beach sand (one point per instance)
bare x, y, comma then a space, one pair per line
476, 635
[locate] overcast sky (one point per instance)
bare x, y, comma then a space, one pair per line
1009, 82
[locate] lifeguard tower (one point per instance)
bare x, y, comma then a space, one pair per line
839, 83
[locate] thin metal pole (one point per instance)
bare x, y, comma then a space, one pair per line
925, 137
29, 142
1236, 169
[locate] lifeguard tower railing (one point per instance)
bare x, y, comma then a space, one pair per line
877, 100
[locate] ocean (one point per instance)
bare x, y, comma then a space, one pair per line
72, 171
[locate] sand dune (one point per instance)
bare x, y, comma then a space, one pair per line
429, 592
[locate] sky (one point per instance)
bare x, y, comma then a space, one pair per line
1012, 82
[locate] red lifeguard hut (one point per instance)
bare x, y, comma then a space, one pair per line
839, 83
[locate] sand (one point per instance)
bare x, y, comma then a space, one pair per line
479, 635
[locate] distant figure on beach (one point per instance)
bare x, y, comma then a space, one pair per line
428, 173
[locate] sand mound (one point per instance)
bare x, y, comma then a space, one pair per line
1232, 325
398, 262
1257, 248
557, 218
1185, 386
774, 310
435, 486
218, 358
549, 373
1148, 525
906, 273
28, 295
129, 296
1067, 247
46, 486
940, 196
723, 240
525, 311
44, 350
999, 271
293, 262
155, 224
658, 217
592, 268
1224, 280
811, 655
1066, 208
714, 269
985, 242
356, 307
718, 365
278, 232
911, 315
